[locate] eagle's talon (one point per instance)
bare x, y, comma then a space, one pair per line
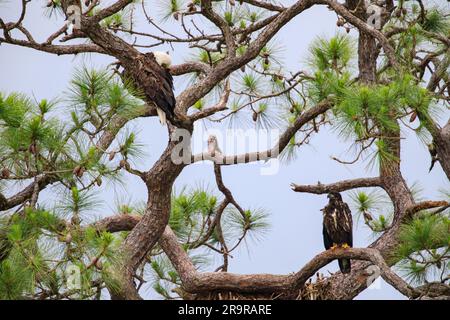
334, 246
345, 246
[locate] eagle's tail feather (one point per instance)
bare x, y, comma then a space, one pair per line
162, 116
345, 265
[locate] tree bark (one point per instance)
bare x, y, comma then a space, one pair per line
349, 286
159, 181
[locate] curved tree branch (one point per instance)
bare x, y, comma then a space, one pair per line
340, 186
283, 141
195, 282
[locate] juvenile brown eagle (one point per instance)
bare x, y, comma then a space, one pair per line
337, 227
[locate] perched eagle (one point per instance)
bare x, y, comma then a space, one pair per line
150, 73
163, 96
337, 227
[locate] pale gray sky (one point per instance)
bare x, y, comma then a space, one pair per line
296, 234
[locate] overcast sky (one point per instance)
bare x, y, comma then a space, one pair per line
296, 233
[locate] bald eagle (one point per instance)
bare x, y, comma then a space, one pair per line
164, 97
337, 227
150, 73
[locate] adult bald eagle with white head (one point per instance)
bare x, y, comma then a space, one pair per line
164, 97
150, 73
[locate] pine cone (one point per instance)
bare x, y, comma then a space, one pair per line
5, 173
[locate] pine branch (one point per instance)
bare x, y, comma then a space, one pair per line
338, 186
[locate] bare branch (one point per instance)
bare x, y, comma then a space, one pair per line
283, 141
340, 186
195, 282
56, 49
265, 5
27, 192
189, 67
221, 105
117, 223
209, 13
112, 9
425, 205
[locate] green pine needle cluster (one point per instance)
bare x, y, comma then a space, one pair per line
58, 137
40, 249
436, 21
373, 208
424, 248
364, 112
192, 214
38, 137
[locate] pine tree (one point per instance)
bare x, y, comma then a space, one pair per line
367, 86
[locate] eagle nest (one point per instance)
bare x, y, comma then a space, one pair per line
317, 290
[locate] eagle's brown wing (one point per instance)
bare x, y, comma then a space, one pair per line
347, 223
337, 224
326, 228
159, 88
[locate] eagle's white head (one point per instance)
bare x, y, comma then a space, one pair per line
162, 58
